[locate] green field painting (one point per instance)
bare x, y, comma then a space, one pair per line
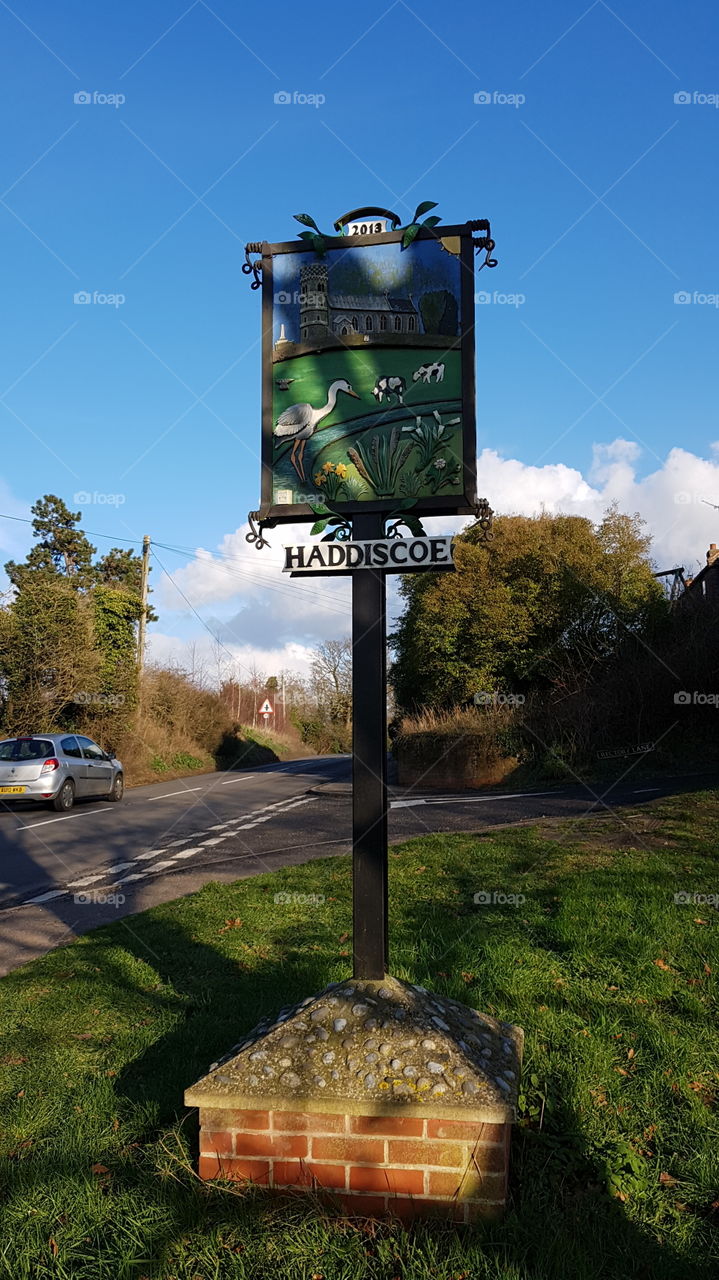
392, 430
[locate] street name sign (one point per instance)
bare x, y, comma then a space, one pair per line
392, 555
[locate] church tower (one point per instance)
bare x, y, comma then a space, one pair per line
314, 303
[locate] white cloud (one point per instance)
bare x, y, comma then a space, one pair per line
276, 621
670, 498
202, 657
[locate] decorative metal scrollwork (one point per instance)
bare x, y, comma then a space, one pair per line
409, 520
340, 530
483, 515
257, 528
251, 268
483, 243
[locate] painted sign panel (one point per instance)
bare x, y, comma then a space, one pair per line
394, 555
369, 375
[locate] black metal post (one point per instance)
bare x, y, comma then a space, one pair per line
369, 760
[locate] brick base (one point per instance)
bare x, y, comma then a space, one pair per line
374, 1164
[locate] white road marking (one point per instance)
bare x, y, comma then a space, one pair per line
68, 817
644, 790
44, 897
166, 794
511, 795
259, 816
244, 778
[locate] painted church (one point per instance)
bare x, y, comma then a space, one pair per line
325, 315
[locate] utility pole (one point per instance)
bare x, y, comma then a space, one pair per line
143, 594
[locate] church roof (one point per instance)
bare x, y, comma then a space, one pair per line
373, 302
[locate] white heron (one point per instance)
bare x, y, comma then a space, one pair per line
299, 421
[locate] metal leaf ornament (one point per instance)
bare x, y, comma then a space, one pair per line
412, 230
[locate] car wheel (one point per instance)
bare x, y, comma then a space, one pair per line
65, 797
118, 788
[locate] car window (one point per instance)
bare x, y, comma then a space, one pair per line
71, 747
90, 749
26, 749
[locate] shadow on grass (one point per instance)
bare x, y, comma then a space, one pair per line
562, 1224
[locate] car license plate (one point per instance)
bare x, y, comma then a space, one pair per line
11, 791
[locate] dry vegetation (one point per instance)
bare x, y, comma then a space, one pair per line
180, 728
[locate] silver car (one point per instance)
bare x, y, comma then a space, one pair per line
58, 768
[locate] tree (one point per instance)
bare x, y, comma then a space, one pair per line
332, 678
48, 659
68, 632
63, 549
537, 607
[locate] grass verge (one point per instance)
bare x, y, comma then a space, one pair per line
614, 1167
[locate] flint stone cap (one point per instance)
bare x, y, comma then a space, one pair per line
362, 1047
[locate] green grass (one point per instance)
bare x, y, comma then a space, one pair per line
614, 1165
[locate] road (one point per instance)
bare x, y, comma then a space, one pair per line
61, 875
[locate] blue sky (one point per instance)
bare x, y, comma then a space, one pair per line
601, 189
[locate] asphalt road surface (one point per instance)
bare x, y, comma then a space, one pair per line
61, 875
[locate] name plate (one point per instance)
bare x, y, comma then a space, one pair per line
391, 555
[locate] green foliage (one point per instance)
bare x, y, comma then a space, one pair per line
62, 549
184, 760
546, 599
323, 737
122, 568
380, 460
438, 309
116, 614
68, 636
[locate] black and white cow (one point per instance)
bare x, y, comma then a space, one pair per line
429, 371
387, 386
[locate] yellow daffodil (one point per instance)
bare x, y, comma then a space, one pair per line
319, 478
329, 466
341, 470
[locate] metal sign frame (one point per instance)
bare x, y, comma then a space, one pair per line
464, 504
